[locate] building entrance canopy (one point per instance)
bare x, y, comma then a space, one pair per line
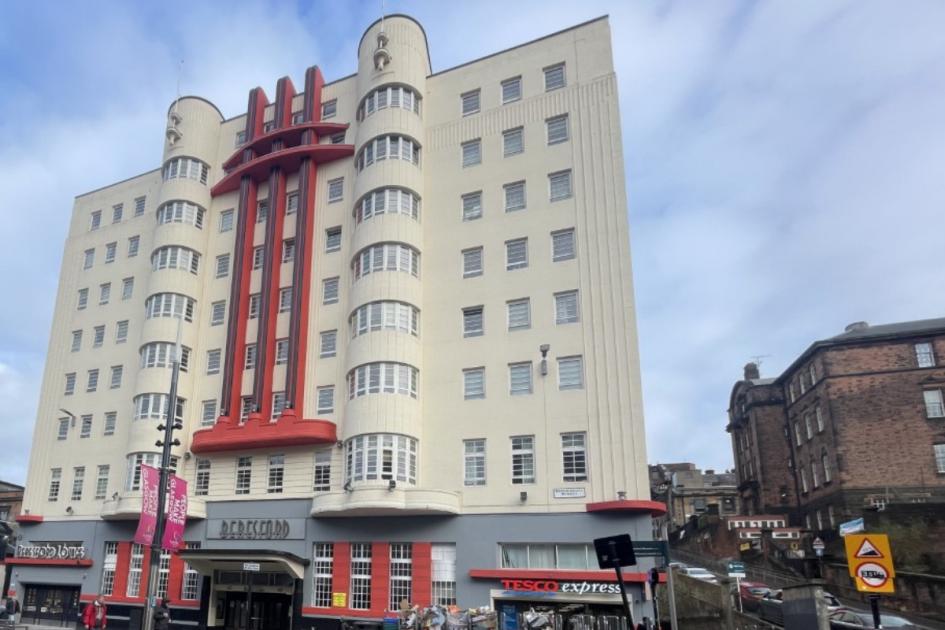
206, 561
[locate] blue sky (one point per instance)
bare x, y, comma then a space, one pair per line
785, 162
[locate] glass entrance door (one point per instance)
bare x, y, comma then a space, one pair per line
50, 604
271, 611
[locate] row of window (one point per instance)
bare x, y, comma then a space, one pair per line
111, 249
105, 293
186, 168
86, 424
514, 196
98, 335
519, 314
570, 376
511, 89
815, 472
383, 377
396, 96
190, 583
78, 483
393, 147
118, 211
516, 253
808, 425
92, 378
573, 459
557, 131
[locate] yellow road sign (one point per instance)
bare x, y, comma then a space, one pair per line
870, 562
339, 600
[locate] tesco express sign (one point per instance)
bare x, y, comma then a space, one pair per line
554, 586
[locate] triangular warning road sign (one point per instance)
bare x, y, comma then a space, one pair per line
868, 550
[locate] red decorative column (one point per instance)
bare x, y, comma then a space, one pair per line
380, 576
341, 570
120, 586
422, 573
175, 579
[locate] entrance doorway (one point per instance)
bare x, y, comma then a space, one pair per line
271, 611
50, 604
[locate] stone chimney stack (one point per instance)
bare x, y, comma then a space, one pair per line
751, 371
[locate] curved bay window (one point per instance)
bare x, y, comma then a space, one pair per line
389, 96
186, 168
392, 147
170, 305
388, 201
154, 407
386, 257
133, 478
383, 377
181, 212
385, 315
175, 257
160, 354
381, 457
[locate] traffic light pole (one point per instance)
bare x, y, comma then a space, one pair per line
623, 587
170, 423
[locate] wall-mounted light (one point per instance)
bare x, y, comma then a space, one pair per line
543, 366
69, 510
71, 416
621, 495
523, 496
391, 484
347, 487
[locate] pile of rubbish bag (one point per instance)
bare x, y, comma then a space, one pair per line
444, 618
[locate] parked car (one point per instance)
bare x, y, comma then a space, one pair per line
752, 594
700, 574
846, 618
770, 606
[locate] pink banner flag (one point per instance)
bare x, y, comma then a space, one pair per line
176, 514
149, 505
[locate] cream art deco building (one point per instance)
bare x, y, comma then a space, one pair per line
410, 366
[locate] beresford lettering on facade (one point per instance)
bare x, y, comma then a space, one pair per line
51, 551
256, 529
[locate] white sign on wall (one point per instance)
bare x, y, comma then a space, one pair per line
569, 493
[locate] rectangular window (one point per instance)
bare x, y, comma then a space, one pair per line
121, 331
89, 259
208, 416
98, 336
474, 462
443, 574
104, 292
934, 406
474, 383
217, 313
55, 481
110, 250
939, 451
259, 255
361, 576
213, 361
470, 102
333, 239
83, 300
809, 426
519, 314
95, 221
78, 481
135, 567
133, 244
559, 185
111, 420
223, 266
109, 564
520, 378
472, 152
322, 481
127, 288
190, 589
328, 343
924, 355
511, 90
812, 372
117, 371
276, 474
322, 564
244, 474
63, 429
562, 245
514, 196
472, 262
92, 384
85, 430
249, 358
804, 487
798, 437
278, 404
523, 459
819, 415
571, 373
513, 141
557, 129
246, 406
262, 211
326, 399
329, 109
70, 383
336, 189
101, 482
472, 206
554, 77
288, 250
285, 299
574, 454
292, 203
401, 574
139, 205
330, 291
516, 254
566, 307
253, 310
472, 321
226, 220
282, 351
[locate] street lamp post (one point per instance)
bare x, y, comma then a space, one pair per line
170, 423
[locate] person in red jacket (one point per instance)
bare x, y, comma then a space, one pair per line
93, 617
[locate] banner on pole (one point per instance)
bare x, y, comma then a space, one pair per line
176, 514
149, 505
